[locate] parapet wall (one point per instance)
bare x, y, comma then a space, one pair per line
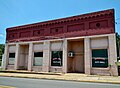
96, 23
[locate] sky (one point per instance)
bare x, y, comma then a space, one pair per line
21, 12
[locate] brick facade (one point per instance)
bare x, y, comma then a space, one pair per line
80, 34
82, 25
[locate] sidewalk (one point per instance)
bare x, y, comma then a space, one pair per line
2, 86
60, 76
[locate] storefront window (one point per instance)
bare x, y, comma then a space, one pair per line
11, 58
38, 59
100, 58
56, 59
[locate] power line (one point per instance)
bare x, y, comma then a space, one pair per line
117, 19
118, 23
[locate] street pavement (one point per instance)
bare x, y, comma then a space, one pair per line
69, 76
44, 83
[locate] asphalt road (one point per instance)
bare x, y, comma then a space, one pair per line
43, 83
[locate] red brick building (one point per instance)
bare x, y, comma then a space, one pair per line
83, 43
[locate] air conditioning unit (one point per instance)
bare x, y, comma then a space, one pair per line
71, 54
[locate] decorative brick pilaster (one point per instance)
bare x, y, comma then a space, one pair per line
30, 57
6, 57
17, 56
46, 56
112, 55
87, 55
65, 56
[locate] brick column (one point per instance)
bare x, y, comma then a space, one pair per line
87, 55
30, 57
65, 56
112, 54
17, 57
5, 61
46, 56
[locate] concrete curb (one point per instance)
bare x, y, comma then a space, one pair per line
26, 72
59, 77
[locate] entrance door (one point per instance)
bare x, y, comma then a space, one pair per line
76, 63
23, 59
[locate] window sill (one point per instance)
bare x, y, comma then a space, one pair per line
94, 68
56, 66
37, 66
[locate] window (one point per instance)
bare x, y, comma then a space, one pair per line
98, 25
56, 58
13, 36
56, 30
11, 58
38, 59
38, 32
100, 58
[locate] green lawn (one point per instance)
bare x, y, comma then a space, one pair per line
1, 69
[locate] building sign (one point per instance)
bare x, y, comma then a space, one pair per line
56, 59
99, 62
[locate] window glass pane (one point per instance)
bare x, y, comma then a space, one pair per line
38, 54
11, 61
11, 55
100, 58
11, 58
56, 59
100, 53
38, 61
38, 58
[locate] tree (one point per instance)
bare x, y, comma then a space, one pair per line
2, 46
118, 45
